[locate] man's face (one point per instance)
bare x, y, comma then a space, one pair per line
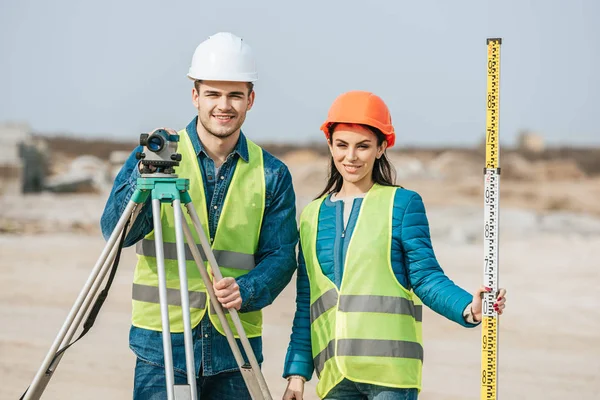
222, 106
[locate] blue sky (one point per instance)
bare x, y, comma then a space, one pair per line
119, 67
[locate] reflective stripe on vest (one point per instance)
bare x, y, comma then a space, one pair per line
368, 348
381, 304
149, 294
147, 247
370, 329
234, 244
365, 303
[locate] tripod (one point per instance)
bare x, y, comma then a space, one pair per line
163, 188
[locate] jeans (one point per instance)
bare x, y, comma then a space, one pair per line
150, 384
349, 390
212, 353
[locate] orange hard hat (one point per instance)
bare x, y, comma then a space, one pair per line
365, 108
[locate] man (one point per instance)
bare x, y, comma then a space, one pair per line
246, 202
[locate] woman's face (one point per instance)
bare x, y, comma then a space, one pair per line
354, 150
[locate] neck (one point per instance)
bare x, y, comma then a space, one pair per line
216, 147
355, 188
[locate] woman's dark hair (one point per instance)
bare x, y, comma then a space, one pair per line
383, 171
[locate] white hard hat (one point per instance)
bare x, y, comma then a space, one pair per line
223, 57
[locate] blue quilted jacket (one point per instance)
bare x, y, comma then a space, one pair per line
413, 262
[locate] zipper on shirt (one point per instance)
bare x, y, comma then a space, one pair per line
338, 243
348, 223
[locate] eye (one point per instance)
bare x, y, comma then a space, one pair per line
363, 146
341, 145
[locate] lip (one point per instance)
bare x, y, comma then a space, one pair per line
351, 168
223, 121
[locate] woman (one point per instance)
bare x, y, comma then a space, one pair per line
365, 261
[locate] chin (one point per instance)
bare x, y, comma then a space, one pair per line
223, 134
352, 178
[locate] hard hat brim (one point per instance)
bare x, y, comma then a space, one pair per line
247, 78
390, 137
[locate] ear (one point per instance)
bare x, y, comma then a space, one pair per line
251, 100
381, 149
330, 144
195, 98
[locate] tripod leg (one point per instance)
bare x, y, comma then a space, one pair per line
162, 293
253, 388
43, 375
185, 300
234, 315
93, 292
77, 322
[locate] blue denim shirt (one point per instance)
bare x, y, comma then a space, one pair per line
275, 257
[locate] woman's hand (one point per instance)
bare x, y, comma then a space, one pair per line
294, 389
499, 305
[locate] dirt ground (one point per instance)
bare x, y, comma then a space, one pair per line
548, 335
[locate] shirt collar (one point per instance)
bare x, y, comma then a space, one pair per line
241, 148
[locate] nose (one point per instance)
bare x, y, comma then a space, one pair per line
351, 155
223, 103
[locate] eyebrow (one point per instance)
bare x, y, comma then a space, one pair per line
209, 92
361, 142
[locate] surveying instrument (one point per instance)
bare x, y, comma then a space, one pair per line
159, 182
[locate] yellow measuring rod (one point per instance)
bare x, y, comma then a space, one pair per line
489, 333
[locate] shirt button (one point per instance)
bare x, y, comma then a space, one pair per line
206, 335
215, 207
222, 177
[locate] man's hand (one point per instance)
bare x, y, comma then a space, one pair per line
228, 293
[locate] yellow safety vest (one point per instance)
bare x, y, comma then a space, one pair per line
369, 330
234, 245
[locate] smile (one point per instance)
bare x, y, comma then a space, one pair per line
223, 117
351, 168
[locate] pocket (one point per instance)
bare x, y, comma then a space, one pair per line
147, 345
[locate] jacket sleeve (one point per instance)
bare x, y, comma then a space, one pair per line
276, 254
426, 276
298, 360
122, 190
